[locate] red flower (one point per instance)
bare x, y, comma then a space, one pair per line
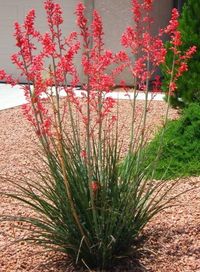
81, 19
54, 13
188, 54
173, 23
172, 88
9, 80
83, 154
157, 84
95, 186
48, 45
29, 23
148, 4
2, 74
136, 10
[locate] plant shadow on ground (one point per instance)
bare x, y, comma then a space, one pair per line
130, 263
146, 248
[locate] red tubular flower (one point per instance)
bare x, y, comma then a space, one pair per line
157, 84
136, 10
57, 15
2, 74
83, 154
46, 126
18, 34
149, 50
189, 53
129, 39
173, 23
95, 186
29, 23
54, 13
97, 29
182, 68
24, 35
176, 39
122, 56
139, 67
172, 87
179, 57
7, 78
109, 103
96, 62
148, 4
49, 47
81, 19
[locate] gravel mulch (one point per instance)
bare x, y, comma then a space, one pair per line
171, 241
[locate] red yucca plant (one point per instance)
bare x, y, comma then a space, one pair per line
89, 203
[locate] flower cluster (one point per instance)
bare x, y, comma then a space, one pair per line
148, 49
33, 64
8, 78
54, 15
180, 59
96, 62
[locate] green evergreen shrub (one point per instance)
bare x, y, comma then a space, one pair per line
189, 84
180, 152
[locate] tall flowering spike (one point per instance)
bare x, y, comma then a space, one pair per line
148, 49
136, 9
54, 13
181, 65
29, 22
81, 19
23, 57
180, 58
96, 61
18, 34
135, 36
57, 15
97, 33
173, 32
148, 4
173, 23
49, 47
97, 26
82, 23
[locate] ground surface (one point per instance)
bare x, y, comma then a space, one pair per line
171, 240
